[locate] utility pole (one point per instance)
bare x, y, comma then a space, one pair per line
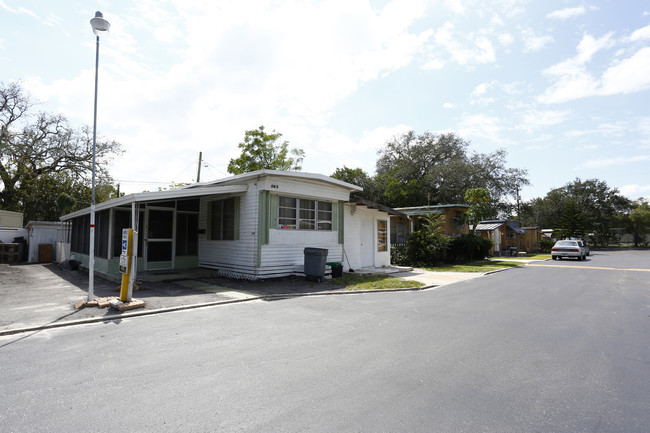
198, 173
518, 199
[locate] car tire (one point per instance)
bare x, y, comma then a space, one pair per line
554, 257
579, 258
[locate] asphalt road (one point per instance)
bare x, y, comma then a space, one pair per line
550, 347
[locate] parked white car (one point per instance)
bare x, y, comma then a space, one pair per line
582, 243
568, 248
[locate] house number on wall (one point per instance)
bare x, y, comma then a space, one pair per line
273, 186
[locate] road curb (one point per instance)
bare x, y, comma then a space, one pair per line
139, 313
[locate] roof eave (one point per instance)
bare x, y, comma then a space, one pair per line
159, 195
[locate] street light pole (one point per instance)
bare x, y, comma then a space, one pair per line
100, 27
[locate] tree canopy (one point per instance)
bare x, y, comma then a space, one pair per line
637, 221
45, 164
592, 201
416, 170
479, 200
261, 151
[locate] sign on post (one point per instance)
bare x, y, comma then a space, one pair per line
125, 263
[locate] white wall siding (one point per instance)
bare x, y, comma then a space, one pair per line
242, 252
286, 247
284, 254
302, 188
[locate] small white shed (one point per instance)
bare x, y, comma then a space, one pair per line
55, 234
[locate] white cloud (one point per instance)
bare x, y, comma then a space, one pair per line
506, 39
571, 79
611, 129
482, 126
448, 105
456, 6
465, 50
280, 64
629, 76
19, 10
615, 161
477, 97
635, 191
641, 34
333, 149
481, 89
566, 13
534, 43
433, 64
496, 20
533, 120
643, 128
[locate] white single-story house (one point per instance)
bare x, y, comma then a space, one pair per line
254, 225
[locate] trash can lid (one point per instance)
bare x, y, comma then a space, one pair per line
316, 251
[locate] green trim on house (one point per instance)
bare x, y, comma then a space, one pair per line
274, 211
262, 224
339, 218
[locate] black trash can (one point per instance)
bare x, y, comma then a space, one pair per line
315, 260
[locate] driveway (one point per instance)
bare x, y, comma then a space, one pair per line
42, 295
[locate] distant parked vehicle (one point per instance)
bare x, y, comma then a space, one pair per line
582, 243
568, 248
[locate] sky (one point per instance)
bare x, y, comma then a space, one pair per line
563, 86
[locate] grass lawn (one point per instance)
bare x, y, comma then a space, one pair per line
540, 256
480, 266
373, 282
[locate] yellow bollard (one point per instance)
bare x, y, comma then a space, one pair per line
125, 263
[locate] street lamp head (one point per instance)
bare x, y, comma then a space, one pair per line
100, 26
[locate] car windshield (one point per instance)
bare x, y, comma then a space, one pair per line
566, 243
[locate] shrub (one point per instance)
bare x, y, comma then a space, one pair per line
545, 245
428, 245
468, 248
398, 255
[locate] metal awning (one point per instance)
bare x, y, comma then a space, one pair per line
488, 227
143, 197
516, 227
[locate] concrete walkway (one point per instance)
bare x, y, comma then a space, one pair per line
42, 296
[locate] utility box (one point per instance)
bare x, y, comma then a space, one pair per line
315, 260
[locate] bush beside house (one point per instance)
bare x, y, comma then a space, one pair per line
429, 246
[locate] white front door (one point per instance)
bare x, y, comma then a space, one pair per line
367, 242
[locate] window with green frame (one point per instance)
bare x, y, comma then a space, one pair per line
304, 214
